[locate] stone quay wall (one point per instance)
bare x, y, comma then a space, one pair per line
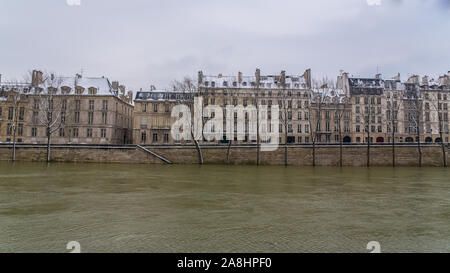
298, 155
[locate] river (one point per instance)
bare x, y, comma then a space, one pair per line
176, 208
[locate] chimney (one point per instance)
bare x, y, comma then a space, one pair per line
378, 76
0, 78
413, 79
258, 76
122, 89
220, 76
152, 88
283, 78
200, 77
240, 77
397, 77
78, 76
425, 80
36, 78
115, 86
307, 76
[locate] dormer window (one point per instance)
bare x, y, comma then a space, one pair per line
65, 89
213, 84
92, 91
79, 90
225, 84
52, 90
206, 83
234, 84
244, 84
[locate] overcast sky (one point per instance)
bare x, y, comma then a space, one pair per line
144, 42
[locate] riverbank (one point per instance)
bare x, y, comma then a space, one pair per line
298, 155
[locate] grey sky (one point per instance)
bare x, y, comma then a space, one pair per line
142, 42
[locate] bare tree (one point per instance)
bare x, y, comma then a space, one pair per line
50, 106
368, 113
437, 105
393, 107
14, 97
315, 109
340, 105
285, 114
413, 107
190, 90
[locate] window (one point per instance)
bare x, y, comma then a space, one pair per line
91, 105
77, 105
89, 133
10, 113
90, 117
20, 130
143, 137
61, 132
77, 117
299, 116
103, 133
166, 138
167, 108
299, 130
155, 137
104, 118
9, 129
75, 132
105, 105
155, 107
34, 132
21, 113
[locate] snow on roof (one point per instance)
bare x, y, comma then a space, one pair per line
101, 84
162, 95
266, 82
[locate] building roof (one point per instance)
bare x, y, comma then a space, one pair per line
266, 82
162, 95
366, 86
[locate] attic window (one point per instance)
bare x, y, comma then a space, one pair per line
213, 84
225, 83
92, 91
206, 83
234, 84
244, 83
79, 90
65, 89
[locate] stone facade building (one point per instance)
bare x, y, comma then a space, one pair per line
83, 111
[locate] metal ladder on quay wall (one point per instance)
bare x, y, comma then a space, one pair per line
165, 160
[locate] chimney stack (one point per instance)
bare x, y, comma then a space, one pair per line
152, 88
122, 89
378, 76
413, 79
425, 80
283, 78
240, 77
115, 86
307, 76
200, 77
258, 76
36, 78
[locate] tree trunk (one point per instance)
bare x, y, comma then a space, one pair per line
199, 152
14, 144
419, 149
340, 150
48, 144
228, 151
393, 147
368, 148
285, 148
444, 156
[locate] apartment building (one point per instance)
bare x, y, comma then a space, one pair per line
78, 110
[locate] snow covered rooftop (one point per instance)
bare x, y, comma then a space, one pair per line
162, 95
266, 82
